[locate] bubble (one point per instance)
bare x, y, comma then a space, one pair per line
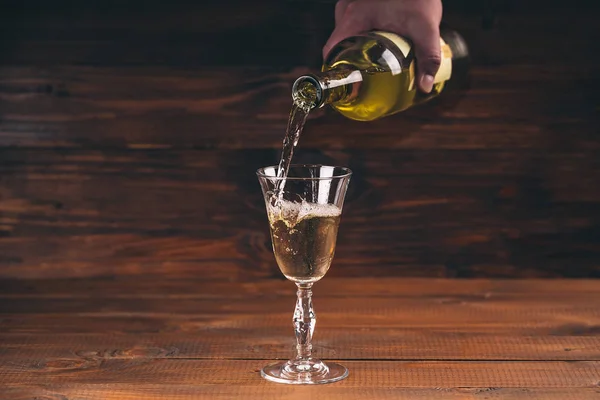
293, 212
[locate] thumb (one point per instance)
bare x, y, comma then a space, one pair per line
428, 55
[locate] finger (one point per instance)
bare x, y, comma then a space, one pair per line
351, 23
428, 54
340, 10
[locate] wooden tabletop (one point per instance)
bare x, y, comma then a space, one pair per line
400, 338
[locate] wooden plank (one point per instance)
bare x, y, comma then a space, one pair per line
411, 306
562, 314
76, 213
509, 107
279, 392
364, 287
480, 308
86, 323
277, 342
275, 32
141, 33
373, 374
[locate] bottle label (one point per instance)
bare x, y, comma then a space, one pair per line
444, 72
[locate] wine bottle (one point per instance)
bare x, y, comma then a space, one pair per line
373, 75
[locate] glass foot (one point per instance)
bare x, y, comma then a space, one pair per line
310, 372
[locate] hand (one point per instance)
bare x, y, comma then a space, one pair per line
417, 20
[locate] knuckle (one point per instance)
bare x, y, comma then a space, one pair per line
341, 5
427, 15
434, 60
354, 7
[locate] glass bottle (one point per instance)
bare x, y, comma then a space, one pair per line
373, 75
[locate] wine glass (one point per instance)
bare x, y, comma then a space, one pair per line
304, 212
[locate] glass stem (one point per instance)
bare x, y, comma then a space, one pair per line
304, 322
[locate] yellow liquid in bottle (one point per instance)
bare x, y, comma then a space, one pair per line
387, 78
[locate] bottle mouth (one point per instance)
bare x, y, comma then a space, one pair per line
307, 92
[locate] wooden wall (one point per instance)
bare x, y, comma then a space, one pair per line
130, 132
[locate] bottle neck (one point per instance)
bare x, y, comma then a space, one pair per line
332, 86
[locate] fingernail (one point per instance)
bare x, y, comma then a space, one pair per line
427, 83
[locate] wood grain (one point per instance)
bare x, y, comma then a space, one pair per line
430, 288
191, 213
128, 142
413, 338
279, 33
556, 324
512, 107
358, 319
577, 374
272, 392
438, 309
129, 135
274, 339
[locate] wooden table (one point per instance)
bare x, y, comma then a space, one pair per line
400, 338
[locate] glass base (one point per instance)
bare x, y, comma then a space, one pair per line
309, 372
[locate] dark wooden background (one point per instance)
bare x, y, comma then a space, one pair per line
130, 132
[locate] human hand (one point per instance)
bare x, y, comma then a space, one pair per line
417, 20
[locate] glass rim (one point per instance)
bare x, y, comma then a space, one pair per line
346, 172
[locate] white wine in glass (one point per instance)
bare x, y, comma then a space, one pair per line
304, 210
